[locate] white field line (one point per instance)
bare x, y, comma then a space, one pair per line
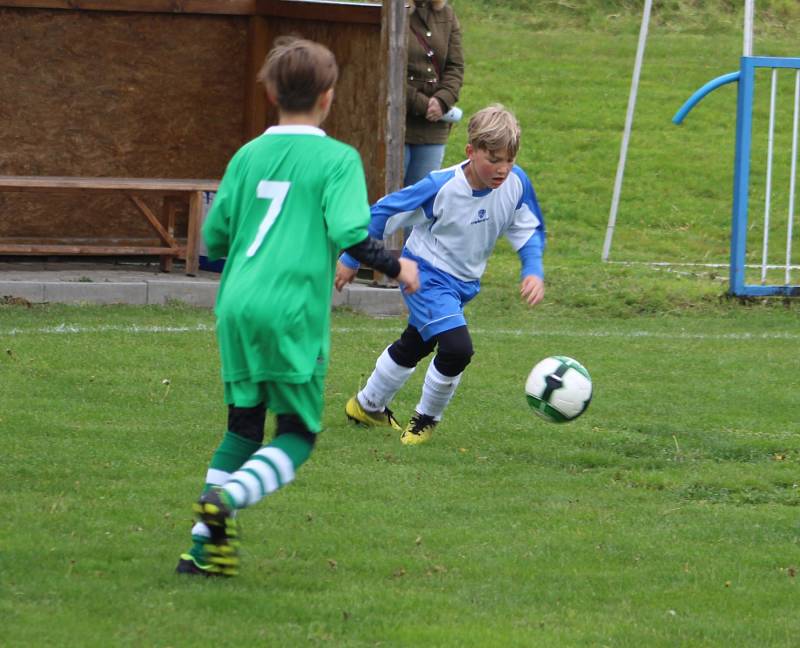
689, 264
70, 329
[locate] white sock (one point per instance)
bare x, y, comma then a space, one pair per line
437, 391
385, 381
200, 530
214, 477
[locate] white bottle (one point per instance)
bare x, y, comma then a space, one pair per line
453, 115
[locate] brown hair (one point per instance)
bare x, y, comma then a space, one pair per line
494, 129
297, 71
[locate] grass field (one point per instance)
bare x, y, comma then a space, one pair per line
666, 516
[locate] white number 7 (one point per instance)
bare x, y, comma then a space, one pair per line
275, 191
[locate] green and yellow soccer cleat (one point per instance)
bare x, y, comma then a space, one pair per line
419, 430
358, 414
222, 548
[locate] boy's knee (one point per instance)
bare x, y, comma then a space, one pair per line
293, 424
455, 351
247, 422
452, 364
410, 348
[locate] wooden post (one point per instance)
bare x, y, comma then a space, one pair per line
394, 25
193, 234
393, 36
168, 212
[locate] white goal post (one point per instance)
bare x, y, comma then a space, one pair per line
747, 50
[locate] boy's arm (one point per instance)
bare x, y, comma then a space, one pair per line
532, 275
530, 256
407, 207
216, 229
527, 235
370, 252
347, 216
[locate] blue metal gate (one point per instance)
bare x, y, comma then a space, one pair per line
741, 183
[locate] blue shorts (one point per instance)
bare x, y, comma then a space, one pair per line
438, 305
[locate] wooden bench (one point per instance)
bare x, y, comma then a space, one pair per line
174, 192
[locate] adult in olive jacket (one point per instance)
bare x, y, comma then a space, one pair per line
434, 77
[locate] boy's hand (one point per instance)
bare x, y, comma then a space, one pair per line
344, 275
408, 276
532, 289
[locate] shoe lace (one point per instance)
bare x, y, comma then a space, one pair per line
420, 422
390, 416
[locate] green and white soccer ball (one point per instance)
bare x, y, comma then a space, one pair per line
559, 389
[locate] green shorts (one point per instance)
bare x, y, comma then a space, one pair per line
303, 399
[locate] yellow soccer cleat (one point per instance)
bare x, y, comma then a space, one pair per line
358, 414
419, 429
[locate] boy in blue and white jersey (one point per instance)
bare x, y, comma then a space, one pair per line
457, 216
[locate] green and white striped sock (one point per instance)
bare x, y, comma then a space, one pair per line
269, 469
229, 456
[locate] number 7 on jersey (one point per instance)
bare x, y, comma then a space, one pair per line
276, 192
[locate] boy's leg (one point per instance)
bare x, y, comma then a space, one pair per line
299, 412
244, 436
436, 310
392, 369
441, 380
273, 466
444, 372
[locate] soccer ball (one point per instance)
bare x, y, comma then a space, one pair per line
559, 389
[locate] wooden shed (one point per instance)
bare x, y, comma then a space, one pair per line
167, 89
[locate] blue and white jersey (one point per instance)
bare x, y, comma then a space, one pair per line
455, 227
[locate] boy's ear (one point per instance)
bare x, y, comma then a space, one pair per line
271, 97
469, 150
326, 99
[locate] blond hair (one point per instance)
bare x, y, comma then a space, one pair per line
494, 128
297, 71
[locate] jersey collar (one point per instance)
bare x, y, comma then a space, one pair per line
295, 130
476, 193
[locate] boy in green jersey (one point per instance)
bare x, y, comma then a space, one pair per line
289, 201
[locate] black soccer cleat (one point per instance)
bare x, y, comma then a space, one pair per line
188, 565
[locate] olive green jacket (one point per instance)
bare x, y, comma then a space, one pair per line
438, 76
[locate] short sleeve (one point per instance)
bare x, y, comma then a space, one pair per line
216, 229
344, 201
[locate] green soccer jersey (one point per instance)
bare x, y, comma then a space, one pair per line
289, 201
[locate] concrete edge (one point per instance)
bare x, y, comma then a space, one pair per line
370, 300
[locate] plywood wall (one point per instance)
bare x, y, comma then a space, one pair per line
153, 94
113, 94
